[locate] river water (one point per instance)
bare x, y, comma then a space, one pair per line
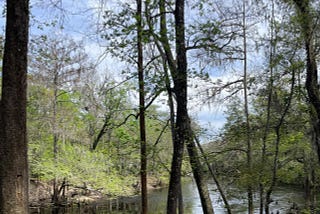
283, 198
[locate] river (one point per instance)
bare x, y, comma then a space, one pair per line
283, 198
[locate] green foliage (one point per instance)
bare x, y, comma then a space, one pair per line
295, 145
292, 173
120, 32
114, 166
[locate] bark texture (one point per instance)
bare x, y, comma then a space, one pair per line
182, 120
143, 141
182, 128
199, 177
307, 31
13, 140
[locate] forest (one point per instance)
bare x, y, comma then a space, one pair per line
117, 99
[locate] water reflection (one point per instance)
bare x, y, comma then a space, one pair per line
283, 198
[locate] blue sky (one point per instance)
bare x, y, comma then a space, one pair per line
80, 23
79, 19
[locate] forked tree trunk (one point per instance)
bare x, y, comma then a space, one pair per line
13, 138
182, 133
181, 129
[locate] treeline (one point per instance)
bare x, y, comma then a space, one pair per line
83, 128
84, 124
274, 140
268, 51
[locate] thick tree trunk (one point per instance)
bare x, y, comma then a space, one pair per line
306, 22
182, 121
182, 130
13, 139
175, 175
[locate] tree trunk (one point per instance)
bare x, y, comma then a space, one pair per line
182, 133
143, 142
267, 125
55, 196
278, 127
246, 110
175, 198
274, 170
13, 139
182, 121
198, 175
214, 177
307, 31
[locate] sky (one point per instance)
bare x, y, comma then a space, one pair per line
79, 20
81, 23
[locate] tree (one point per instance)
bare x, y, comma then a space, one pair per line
57, 63
143, 142
306, 21
13, 137
246, 105
183, 131
182, 118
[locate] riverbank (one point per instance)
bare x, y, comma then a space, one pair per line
70, 194
286, 199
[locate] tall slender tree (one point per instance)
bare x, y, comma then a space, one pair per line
143, 142
13, 136
246, 106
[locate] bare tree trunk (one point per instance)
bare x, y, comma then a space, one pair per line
198, 175
274, 171
175, 176
13, 138
143, 142
310, 183
214, 177
181, 129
